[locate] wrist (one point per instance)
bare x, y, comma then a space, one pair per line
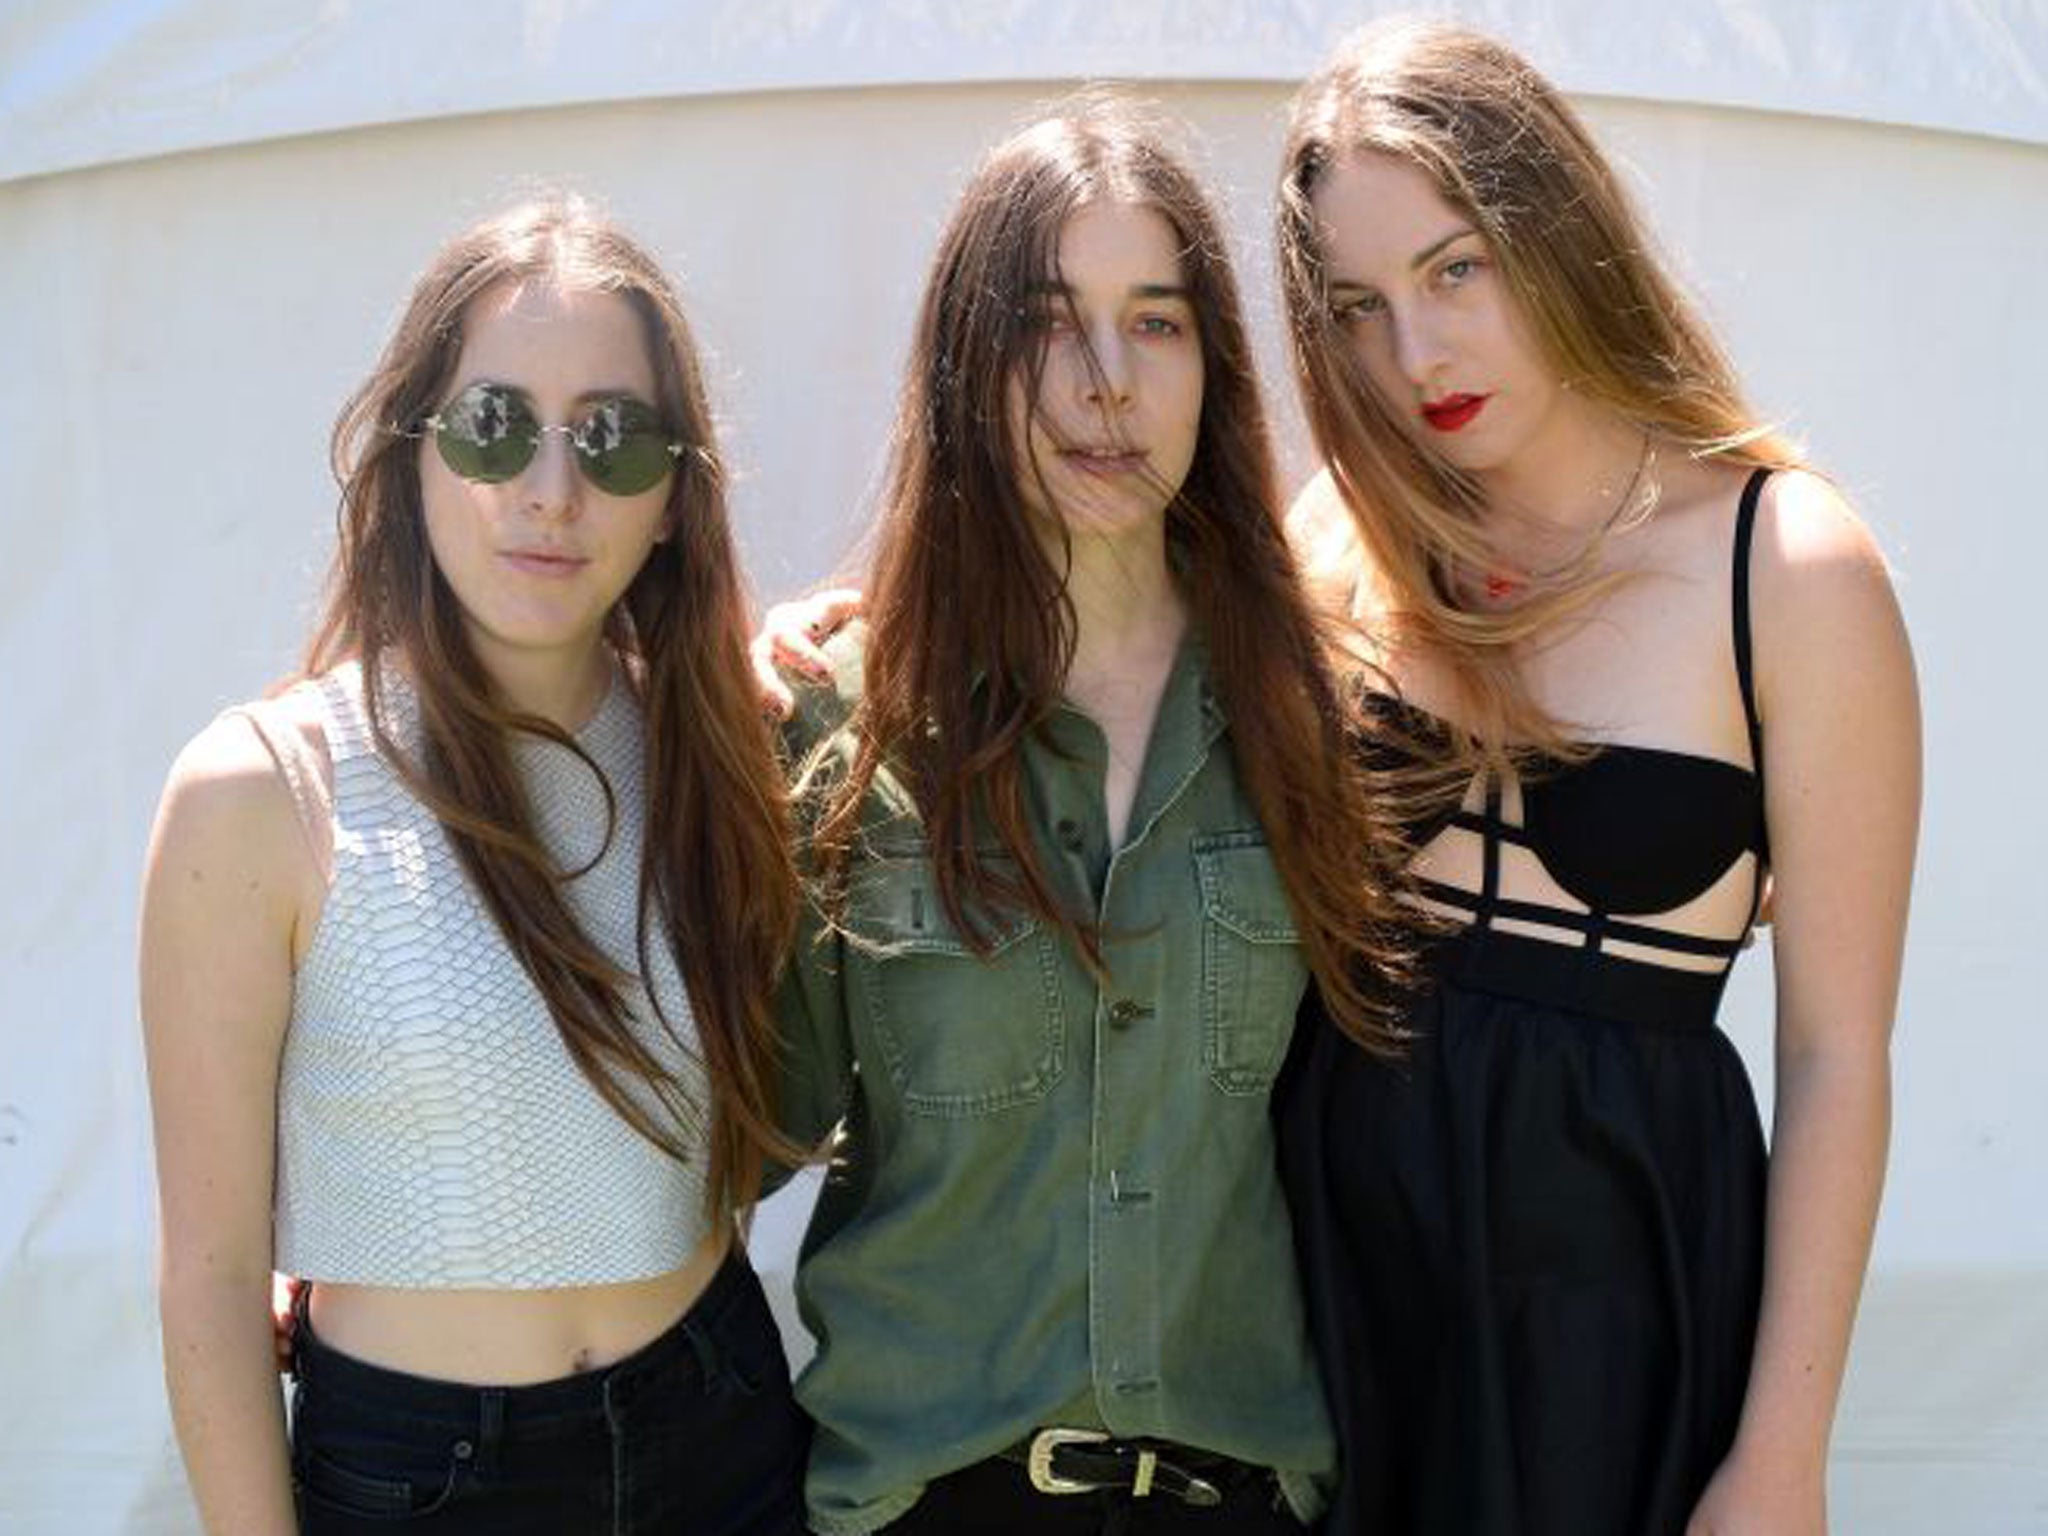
1786, 1460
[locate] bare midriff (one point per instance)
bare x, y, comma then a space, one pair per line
507, 1337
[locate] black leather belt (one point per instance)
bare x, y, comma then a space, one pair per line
1089, 1461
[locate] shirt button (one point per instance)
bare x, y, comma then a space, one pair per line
1123, 1013
1069, 832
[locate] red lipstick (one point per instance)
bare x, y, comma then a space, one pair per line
1453, 412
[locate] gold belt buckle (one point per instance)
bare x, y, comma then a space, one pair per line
1038, 1460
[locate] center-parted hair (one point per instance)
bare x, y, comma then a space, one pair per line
717, 881
971, 626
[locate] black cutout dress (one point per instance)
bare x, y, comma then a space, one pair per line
1532, 1251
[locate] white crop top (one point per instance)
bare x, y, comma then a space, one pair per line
432, 1130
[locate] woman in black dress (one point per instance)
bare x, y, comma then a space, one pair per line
1638, 669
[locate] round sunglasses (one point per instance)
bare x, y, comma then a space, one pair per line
490, 433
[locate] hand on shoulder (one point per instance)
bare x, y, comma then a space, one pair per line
792, 641
823, 697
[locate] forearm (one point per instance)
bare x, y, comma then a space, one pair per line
220, 1365
1832, 1128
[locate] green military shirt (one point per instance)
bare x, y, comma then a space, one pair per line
1055, 1202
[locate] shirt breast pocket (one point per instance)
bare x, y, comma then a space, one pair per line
958, 1034
1252, 968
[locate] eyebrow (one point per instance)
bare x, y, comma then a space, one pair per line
587, 397
1423, 258
1135, 291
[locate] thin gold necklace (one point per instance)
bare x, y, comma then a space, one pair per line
1501, 585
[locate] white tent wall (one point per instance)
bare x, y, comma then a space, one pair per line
177, 331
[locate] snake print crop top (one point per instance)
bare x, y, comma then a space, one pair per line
432, 1130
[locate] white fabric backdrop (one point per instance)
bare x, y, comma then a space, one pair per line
89, 81
207, 217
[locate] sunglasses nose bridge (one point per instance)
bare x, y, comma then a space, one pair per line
553, 478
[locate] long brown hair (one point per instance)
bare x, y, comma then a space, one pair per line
717, 883
972, 628
1504, 148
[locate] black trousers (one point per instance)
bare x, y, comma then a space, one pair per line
995, 1498
695, 1434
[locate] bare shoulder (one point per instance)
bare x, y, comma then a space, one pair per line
1815, 563
225, 772
1826, 619
300, 711
1318, 511
1324, 535
1339, 571
1806, 526
226, 808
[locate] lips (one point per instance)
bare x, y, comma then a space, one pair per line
1453, 412
543, 562
1104, 461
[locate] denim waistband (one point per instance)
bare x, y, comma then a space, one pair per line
685, 1345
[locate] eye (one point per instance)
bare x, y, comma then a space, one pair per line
1460, 270
604, 428
1357, 306
1048, 318
609, 424
485, 414
1159, 325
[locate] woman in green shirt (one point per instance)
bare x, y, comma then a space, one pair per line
1083, 823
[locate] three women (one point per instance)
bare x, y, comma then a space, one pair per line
1081, 824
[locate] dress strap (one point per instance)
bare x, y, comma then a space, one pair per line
1489, 895
1745, 676
1745, 666
1745, 660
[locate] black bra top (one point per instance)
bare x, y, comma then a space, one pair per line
1632, 830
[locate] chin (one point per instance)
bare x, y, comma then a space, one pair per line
1100, 515
1123, 525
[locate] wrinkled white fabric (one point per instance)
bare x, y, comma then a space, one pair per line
177, 333
84, 82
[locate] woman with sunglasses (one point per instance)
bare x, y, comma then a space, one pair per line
1082, 825
1635, 659
417, 927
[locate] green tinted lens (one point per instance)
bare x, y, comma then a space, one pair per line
623, 447
487, 433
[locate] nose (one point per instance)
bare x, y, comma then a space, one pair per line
552, 485
1418, 346
1108, 379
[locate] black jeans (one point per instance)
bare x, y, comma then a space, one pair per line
995, 1497
695, 1433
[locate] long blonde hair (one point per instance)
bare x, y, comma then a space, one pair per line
1503, 148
